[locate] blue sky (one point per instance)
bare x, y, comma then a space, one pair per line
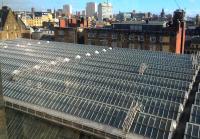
192, 6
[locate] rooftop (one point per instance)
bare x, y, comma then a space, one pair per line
162, 23
98, 87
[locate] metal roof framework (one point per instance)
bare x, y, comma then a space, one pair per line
97, 85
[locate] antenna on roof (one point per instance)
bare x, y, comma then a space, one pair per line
177, 4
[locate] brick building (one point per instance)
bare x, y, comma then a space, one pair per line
156, 36
192, 46
66, 35
74, 22
69, 35
71, 30
11, 26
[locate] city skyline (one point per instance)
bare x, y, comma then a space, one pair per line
192, 7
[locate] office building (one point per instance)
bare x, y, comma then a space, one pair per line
105, 11
67, 10
91, 9
124, 16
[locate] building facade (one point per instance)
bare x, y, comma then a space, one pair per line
37, 19
124, 16
192, 46
105, 11
90, 9
155, 36
69, 35
67, 10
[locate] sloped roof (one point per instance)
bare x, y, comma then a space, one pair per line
3, 15
99, 84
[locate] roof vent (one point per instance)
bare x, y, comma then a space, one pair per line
96, 52
29, 44
142, 68
15, 72
53, 63
37, 67
66, 60
78, 57
88, 54
104, 50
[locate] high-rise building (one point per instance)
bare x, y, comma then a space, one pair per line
90, 9
67, 10
49, 10
83, 13
33, 12
59, 12
162, 14
105, 11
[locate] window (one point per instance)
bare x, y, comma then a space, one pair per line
104, 42
91, 35
131, 45
160, 39
152, 47
152, 39
131, 37
102, 35
61, 32
192, 46
165, 39
166, 48
91, 42
141, 38
114, 36
114, 44
122, 37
